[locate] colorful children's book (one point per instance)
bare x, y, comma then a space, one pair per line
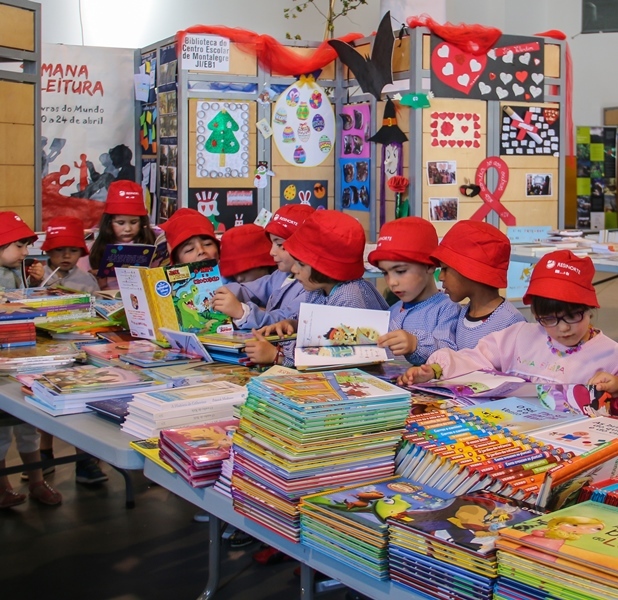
157, 358
112, 409
333, 336
578, 399
150, 449
15, 311
580, 436
133, 255
187, 343
116, 349
237, 339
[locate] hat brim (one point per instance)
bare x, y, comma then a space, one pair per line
64, 242
565, 291
470, 268
276, 229
375, 256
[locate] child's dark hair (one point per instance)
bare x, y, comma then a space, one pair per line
543, 307
174, 255
317, 277
26, 241
106, 236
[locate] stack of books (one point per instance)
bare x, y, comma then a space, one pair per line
197, 452
200, 372
77, 329
151, 412
56, 305
300, 434
569, 553
605, 491
104, 355
44, 356
350, 524
449, 550
66, 391
17, 325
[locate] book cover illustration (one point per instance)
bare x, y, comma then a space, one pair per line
186, 342
237, 338
581, 436
15, 311
133, 255
583, 532
157, 358
113, 350
70, 380
579, 399
192, 286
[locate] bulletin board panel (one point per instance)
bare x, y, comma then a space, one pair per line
17, 28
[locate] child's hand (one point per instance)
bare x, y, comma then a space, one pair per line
605, 382
36, 272
416, 375
281, 328
260, 351
227, 303
399, 342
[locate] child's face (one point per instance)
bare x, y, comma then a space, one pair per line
410, 282
125, 228
198, 247
281, 257
64, 258
13, 255
567, 334
302, 272
454, 284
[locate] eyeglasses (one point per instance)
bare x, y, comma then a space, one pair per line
553, 320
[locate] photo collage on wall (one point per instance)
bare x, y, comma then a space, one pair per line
148, 135
596, 177
354, 159
530, 130
225, 207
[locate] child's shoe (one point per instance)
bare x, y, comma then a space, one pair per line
44, 493
88, 472
45, 455
9, 497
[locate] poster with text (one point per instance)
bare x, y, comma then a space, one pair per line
87, 128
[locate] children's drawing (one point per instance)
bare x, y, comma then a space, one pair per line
530, 130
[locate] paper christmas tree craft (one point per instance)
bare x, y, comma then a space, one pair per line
222, 140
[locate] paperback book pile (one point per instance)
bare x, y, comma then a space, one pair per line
197, 452
605, 491
150, 449
303, 433
229, 346
200, 372
17, 325
77, 329
449, 550
44, 356
350, 524
56, 305
66, 391
150, 412
570, 553
102, 355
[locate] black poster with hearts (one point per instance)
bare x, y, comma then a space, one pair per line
512, 70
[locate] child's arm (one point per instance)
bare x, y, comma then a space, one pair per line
419, 374
605, 382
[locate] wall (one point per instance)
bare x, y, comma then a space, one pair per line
127, 23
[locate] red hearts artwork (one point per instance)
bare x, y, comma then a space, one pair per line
455, 68
455, 130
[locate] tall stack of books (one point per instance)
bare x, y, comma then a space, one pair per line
449, 550
56, 305
350, 524
198, 452
44, 356
569, 553
300, 434
151, 412
17, 325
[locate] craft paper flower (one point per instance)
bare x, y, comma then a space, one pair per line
398, 184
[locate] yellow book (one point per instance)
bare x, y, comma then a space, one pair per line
150, 449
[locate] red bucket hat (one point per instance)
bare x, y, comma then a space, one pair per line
125, 197
477, 250
332, 243
184, 224
63, 232
244, 247
410, 239
13, 228
563, 276
288, 219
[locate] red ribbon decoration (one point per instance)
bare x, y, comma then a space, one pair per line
492, 199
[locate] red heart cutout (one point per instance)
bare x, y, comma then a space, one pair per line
492, 76
476, 144
454, 67
521, 76
468, 116
459, 116
464, 128
434, 142
460, 143
434, 133
433, 124
434, 115
476, 117
477, 135
452, 143
450, 115
442, 116
443, 143
477, 126
527, 96
468, 143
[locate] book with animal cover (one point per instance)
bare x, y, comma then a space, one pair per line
333, 336
584, 533
480, 384
133, 255
150, 449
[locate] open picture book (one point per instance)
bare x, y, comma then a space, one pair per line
338, 336
133, 255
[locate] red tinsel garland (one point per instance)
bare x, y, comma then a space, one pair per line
273, 56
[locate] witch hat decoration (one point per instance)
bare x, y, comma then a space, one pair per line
389, 133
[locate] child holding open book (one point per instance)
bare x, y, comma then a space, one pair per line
328, 261
424, 319
474, 258
561, 347
190, 237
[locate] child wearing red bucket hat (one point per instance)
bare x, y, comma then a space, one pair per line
423, 319
561, 347
15, 236
245, 254
65, 245
474, 259
328, 261
124, 221
277, 296
190, 237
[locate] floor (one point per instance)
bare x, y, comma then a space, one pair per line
92, 548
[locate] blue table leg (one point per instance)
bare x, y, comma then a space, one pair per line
306, 582
214, 558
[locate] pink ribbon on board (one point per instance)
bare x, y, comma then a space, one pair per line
491, 200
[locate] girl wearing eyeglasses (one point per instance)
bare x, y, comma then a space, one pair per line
562, 346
